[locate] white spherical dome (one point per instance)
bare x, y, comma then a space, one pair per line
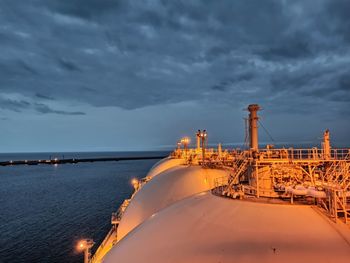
206, 228
165, 189
163, 165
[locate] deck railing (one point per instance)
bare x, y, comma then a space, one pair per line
301, 154
220, 184
102, 245
275, 153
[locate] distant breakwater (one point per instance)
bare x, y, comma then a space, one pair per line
77, 160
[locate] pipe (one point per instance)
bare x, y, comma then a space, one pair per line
301, 190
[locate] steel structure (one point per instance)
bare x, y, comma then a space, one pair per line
320, 176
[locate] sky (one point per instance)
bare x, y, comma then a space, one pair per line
110, 75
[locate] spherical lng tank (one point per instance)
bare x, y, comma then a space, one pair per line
207, 228
164, 189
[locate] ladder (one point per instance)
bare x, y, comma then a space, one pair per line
339, 168
240, 167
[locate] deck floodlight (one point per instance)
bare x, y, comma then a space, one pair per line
85, 245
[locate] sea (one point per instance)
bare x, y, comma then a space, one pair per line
46, 209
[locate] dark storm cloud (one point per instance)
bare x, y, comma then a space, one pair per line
344, 82
16, 68
68, 65
133, 54
338, 14
86, 9
42, 96
14, 105
222, 86
233, 81
22, 105
25, 66
42, 108
288, 50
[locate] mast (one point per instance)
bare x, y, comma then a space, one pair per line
326, 145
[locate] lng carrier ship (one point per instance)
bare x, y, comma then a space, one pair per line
256, 205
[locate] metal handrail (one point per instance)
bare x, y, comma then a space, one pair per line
302, 153
101, 246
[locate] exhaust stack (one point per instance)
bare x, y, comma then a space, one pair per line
253, 126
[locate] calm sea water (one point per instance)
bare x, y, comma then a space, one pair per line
46, 209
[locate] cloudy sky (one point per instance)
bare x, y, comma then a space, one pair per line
104, 75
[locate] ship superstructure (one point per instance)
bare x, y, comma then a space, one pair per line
253, 205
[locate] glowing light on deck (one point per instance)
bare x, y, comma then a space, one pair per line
135, 183
85, 245
81, 245
185, 140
